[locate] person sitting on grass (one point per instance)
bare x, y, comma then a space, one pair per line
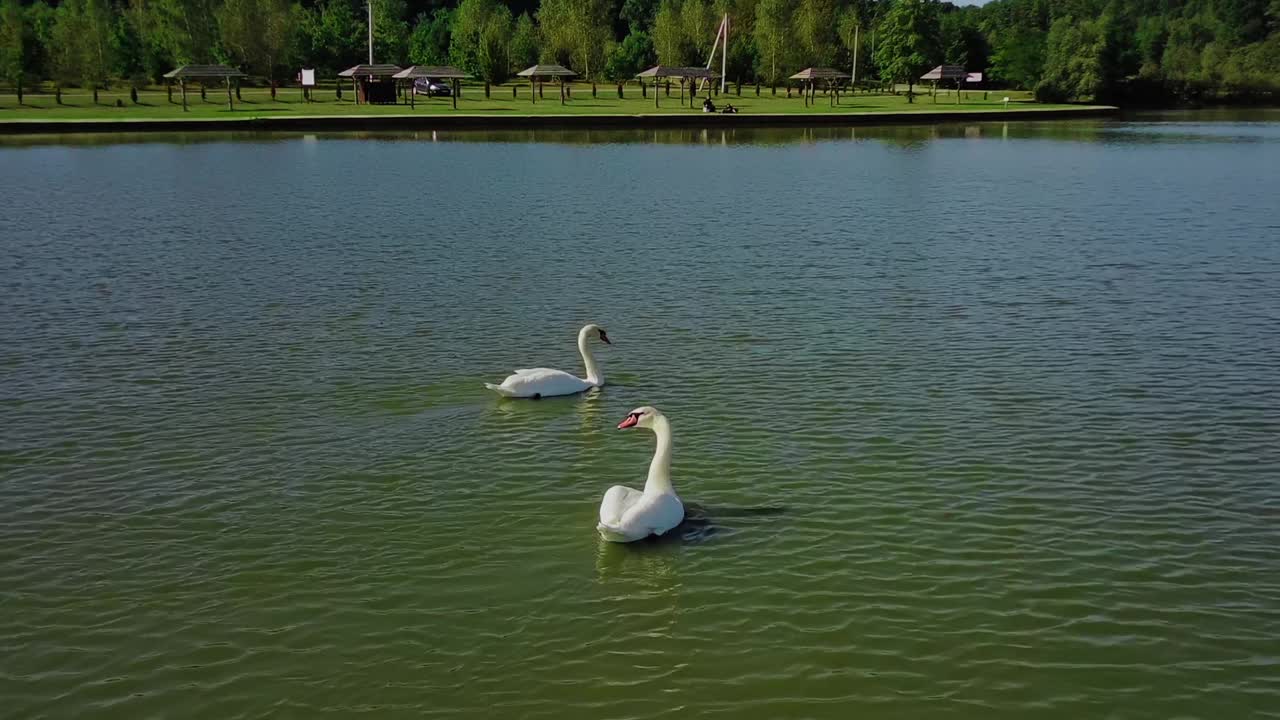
729, 109
708, 106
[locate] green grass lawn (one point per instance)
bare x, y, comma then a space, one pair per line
257, 103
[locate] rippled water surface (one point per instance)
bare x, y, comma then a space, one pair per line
974, 421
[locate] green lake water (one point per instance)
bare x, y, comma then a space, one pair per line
973, 421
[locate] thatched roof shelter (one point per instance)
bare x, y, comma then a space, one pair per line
370, 71
547, 71
430, 72
536, 72
813, 75
683, 73
946, 72
373, 83
437, 72
203, 72
689, 73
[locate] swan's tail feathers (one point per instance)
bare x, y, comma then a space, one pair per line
612, 534
500, 390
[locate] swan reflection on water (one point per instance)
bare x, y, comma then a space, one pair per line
701, 524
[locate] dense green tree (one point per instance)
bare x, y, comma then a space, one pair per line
15, 44
429, 42
261, 35
390, 31
814, 27
773, 37
1018, 56
849, 28
963, 42
82, 38
334, 36
909, 37
481, 36
578, 32
699, 23
186, 29
668, 35
524, 43
638, 14
633, 54
1074, 67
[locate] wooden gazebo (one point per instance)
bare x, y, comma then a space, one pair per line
538, 72
946, 72
439, 72
810, 77
684, 73
374, 84
202, 73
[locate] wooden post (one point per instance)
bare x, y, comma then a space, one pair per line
183, 82
355, 91
457, 88
413, 94
561, 91
656, 94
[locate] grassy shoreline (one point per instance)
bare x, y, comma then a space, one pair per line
40, 112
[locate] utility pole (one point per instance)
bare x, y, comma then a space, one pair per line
724, 57
370, 6
854, 80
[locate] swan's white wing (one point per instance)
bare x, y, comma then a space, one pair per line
616, 502
543, 382
653, 515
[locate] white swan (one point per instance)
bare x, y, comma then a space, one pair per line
544, 382
626, 514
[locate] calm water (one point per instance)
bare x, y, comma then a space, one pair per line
977, 422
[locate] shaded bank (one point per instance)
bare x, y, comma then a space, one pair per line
551, 122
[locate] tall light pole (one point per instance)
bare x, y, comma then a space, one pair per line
370, 6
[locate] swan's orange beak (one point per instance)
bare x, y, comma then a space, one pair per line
629, 421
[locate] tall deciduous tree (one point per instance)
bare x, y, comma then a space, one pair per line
524, 43
1074, 65
335, 36
633, 54
814, 25
773, 33
429, 43
668, 35
909, 36
261, 34
14, 44
186, 29
580, 30
481, 36
83, 37
390, 31
698, 21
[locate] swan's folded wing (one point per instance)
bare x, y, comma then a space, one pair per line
544, 381
616, 502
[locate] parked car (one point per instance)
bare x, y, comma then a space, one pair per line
431, 88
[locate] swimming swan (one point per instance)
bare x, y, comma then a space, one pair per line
626, 514
544, 382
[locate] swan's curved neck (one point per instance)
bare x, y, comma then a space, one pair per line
594, 376
660, 467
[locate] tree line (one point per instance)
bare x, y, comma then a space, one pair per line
1062, 49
